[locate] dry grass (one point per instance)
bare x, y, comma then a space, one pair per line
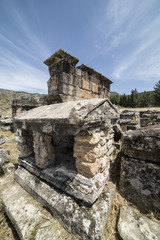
118, 202
139, 109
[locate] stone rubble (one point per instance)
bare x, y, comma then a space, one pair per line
2, 139
4, 158
135, 226
149, 117
6, 124
126, 120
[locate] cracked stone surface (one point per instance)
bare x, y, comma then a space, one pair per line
135, 226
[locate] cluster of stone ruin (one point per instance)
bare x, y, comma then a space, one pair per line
69, 143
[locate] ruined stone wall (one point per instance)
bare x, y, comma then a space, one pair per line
26, 103
140, 168
149, 117
69, 83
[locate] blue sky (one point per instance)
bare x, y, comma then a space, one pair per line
119, 38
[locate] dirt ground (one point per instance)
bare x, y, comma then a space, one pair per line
139, 109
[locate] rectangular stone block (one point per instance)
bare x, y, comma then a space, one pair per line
140, 183
143, 144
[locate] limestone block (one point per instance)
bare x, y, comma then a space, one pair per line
44, 150
140, 183
89, 148
91, 140
85, 84
94, 88
134, 226
90, 169
66, 89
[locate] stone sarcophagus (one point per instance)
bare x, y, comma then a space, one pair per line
69, 145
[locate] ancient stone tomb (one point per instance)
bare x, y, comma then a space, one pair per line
69, 145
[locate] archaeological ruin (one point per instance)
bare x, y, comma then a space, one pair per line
69, 144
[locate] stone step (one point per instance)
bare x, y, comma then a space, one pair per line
30, 220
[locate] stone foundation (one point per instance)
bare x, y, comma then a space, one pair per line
88, 223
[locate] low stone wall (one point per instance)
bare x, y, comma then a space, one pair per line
140, 168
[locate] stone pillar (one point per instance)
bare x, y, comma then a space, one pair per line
14, 111
93, 153
25, 143
61, 68
44, 150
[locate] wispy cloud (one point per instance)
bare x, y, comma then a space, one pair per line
22, 52
129, 30
17, 74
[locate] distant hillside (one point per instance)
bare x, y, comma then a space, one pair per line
6, 97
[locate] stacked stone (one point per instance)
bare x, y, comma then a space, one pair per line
140, 168
44, 150
93, 153
24, 143
6, 124
149, 117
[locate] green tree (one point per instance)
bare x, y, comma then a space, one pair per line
157, 94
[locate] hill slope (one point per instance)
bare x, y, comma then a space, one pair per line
7, 96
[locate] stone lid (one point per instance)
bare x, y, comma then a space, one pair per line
59, 55
91, 71
73, 112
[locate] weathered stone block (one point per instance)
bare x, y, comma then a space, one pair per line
90, 169
140, 183
143, 144
43, 149
87, 223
